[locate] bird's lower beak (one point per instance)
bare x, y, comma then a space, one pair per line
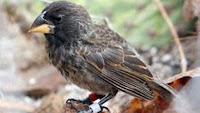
42, 26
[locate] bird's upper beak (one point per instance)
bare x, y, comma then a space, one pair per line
42, 26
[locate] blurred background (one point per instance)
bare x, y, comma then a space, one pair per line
28, 83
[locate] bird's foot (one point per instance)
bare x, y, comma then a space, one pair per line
94, 108
77, 105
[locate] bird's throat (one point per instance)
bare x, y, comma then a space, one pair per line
53, 40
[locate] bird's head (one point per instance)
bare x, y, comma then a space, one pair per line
61, 20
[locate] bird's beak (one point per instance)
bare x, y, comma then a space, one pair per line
42, 26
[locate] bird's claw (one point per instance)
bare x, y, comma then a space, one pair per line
71, 100
103, 107
85, 111
86, 101
94, 108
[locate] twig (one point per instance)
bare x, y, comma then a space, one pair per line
191, 73
174, 35
188, 38
197, 49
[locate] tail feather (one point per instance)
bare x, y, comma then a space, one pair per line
164, 90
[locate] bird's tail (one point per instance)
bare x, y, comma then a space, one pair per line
164, 90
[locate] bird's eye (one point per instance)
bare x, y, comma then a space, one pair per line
57, 19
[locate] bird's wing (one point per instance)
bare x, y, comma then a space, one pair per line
119, 67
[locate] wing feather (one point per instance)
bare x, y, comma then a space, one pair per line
117, 72
113, 61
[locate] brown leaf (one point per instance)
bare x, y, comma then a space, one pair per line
159, 105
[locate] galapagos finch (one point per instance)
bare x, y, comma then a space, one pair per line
93, 56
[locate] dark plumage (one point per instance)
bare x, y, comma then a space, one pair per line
94, 57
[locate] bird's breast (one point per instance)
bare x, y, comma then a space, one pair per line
60, 56
74, 68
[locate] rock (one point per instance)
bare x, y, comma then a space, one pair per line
51, 104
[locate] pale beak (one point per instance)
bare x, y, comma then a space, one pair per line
42, 26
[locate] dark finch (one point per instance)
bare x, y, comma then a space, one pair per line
93, 56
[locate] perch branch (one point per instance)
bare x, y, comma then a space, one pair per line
174, 35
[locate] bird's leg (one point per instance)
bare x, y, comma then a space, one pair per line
106, 98
92, 97
89, 100
97, 107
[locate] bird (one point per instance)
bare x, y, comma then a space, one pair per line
93, 56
